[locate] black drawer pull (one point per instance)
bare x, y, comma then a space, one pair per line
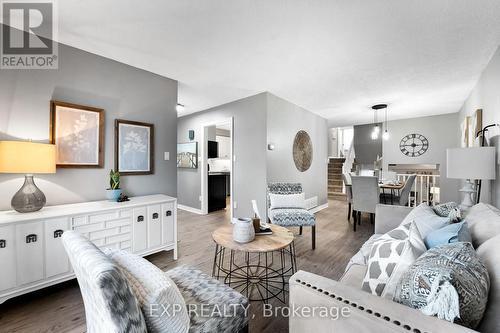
3, 243
155, 216
31, 238
58, 233
140, 218
168, 213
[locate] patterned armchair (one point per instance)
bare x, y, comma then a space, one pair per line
291, 217
112, 307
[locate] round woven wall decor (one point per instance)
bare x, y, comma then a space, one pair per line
302, 151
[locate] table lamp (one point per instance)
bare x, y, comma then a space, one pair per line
470, 164
27, 158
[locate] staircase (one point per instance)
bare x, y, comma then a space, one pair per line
335, 182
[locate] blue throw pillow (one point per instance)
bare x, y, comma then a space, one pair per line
452, 233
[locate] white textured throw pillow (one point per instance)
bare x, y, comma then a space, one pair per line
155, 292
391, 255
287, 200
484, 222
426, 219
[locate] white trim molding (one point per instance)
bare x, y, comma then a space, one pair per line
190, 209
316, 209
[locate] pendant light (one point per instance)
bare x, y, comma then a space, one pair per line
376, 128
386, 135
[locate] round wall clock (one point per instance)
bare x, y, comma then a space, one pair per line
414, 145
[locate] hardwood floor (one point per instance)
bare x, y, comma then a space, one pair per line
60, 308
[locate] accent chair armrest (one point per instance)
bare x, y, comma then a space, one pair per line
353, 310
388, 217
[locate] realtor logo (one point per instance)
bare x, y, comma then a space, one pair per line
28, 31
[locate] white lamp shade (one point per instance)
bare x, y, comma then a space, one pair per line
471, 163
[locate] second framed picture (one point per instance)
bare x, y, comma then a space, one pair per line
134, 147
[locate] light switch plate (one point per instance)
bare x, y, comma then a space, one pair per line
166, 156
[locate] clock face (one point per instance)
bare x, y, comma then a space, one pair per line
414, 145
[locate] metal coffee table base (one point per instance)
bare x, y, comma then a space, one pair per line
259, 276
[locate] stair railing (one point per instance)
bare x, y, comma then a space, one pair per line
349, 159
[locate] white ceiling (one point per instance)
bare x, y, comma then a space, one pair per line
333, 57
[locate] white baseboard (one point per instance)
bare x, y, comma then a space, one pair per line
318, 208
190, 209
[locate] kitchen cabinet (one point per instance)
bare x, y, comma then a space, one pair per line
224, 146
216, 191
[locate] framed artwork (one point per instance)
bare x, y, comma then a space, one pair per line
464, 131
134, 147
187, 155
78, 133
475, 125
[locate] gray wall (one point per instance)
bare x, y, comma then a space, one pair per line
83, 78
284, 120
442, 133
249, 140
486, 96
365, 148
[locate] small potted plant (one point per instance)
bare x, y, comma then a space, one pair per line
114, 191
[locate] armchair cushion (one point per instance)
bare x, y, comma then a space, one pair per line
288, 217
154, 290
209, 301
296, 200
109, 303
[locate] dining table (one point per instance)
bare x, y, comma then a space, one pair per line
393, 187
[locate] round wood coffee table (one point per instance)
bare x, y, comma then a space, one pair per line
261, 268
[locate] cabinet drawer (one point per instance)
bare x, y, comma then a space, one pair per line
154, 225
56, 260
167, 213
85, 229
125, 213
140, 229
7, 258
103, 217
29, 245
79, 220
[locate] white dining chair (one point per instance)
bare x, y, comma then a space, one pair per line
365, 197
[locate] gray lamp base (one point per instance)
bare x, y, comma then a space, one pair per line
29, 198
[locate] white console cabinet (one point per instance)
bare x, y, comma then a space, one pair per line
32, 255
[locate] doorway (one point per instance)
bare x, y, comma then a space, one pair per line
217, 176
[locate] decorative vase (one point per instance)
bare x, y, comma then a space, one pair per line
243, 231
113, 195
29, 198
